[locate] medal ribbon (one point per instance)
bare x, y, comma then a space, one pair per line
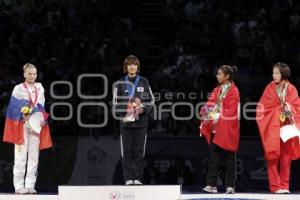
32, 103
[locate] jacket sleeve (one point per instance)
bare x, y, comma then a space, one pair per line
119, 105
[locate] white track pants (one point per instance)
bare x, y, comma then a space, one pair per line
27, 153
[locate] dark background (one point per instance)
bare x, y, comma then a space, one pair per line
180, 44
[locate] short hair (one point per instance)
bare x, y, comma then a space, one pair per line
28, 65
229, 70
129, 60
284, 70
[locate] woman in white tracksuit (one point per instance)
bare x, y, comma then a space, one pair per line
17, 131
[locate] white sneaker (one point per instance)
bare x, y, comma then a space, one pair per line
129, 182
287, 192
32, 191
230, 190
210, 189
137, 182
280, 192
22, 191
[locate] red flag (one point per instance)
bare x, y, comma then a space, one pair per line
267, 118
227, 131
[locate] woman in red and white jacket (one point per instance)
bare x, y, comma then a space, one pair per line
220, 127
279, 106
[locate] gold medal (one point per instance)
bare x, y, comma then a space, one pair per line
211, 115
282, 118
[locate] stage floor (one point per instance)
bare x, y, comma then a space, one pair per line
241, 196
194, 196
7, 196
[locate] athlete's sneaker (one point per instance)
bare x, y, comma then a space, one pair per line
129, 182
137, 182
22, 191
281, 191
32, 191
210, 189
287, 192
230, 190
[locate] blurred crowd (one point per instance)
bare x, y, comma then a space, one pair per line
64, 39
202, 35
67, 38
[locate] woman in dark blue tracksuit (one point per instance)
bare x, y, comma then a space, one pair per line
133, 102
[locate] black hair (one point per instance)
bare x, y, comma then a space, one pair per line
284, 70
229, 70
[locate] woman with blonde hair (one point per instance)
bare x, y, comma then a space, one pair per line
26, 106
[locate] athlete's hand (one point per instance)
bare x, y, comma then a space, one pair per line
43, 124
25, 117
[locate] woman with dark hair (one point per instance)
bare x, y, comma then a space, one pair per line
220, 127
277, 110
133, 101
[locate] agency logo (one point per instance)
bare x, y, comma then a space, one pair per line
115, 195
248, 110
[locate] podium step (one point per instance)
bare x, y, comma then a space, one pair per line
159, 192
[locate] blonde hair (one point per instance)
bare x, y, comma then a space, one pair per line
28, 65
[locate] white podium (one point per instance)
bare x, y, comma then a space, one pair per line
157, 192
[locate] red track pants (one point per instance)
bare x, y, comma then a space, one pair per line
280, 178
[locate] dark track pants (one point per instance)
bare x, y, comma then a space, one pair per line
216, 155
133, 143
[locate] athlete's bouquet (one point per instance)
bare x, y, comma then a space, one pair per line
209, 112
134, 109
26, 110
